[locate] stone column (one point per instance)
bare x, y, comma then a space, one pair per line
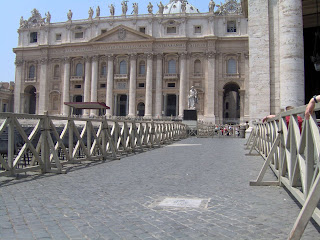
220, 107
242, 100
133, 85
17, 86
66, 86
165, 98
158, 107
109, 99
94, 83
148, 109
43, 91
87, 83
259, 61
210, 88
183, 82
291, 53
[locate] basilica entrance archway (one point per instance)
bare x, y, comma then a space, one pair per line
77, 98
231, 103
30, 100
171, 105
140, 109
122, 101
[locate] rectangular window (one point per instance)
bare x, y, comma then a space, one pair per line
197, 29
171, 85
58, 37
78, 35
231, 26
142, 29
171, 30
102, 85
77, 86
33, 37
141, 85
103, 31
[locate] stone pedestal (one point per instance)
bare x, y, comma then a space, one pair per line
190, 115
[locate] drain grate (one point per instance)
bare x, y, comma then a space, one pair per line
182, 203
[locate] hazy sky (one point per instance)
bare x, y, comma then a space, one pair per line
12, 10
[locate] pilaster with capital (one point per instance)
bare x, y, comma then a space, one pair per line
87, 83
66, 87
18, 85
210, 87
158, 107
148, 109
109, 99
183, 82
94, 83
133, 85
43, 93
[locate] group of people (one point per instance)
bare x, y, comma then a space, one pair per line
308, 112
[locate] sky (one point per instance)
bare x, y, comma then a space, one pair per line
14, 9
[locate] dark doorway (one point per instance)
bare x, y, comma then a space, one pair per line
30, 100
231, 104
171, 105
77, 98
122, 99
141, 108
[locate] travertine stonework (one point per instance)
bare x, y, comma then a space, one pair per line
145, 64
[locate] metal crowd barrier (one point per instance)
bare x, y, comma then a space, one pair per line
294, 156
47, 143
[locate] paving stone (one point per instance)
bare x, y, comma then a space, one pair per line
115, 200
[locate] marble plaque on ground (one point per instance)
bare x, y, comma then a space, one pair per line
184, 203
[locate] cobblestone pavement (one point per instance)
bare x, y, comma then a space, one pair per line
118, 199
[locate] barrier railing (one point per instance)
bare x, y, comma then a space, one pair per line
292, 152
47, 143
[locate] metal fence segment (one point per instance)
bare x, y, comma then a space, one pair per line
293, 154
46, 143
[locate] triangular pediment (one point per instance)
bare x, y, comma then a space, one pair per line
121, 33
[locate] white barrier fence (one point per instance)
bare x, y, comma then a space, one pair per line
293, 155
46, 143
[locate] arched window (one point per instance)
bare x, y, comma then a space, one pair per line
56, 71
172, 66
142, 67
123, 67
197, 66
32, 71
103, 69
79, 70
232, 66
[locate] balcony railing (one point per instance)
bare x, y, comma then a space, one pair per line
30, 80
76, 78
121, 76
171, 76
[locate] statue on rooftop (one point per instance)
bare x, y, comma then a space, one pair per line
183, 6
90, 12
111, 9
211, 6
161, 7
124, 7
69, 15
48, 17
135, 8
98, 12
22, 22
150, 8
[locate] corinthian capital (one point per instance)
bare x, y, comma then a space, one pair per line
133, 56
149, 55
18, 62
44, 60
211, 54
